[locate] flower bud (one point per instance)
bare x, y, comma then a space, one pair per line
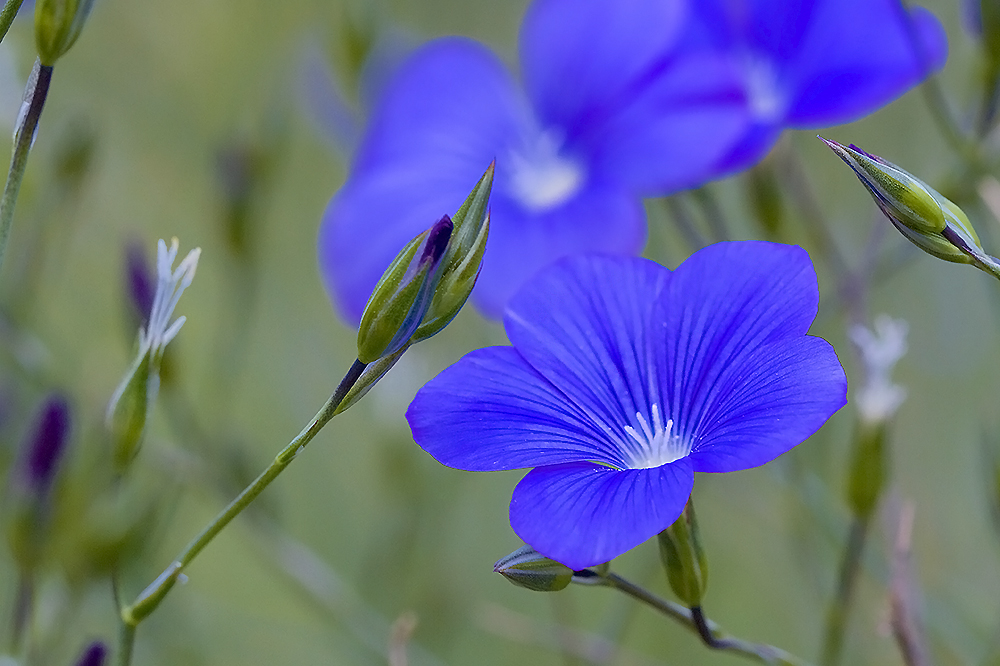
684, 559
869, 468
403, 294
922, 214
457, 271
57, 25
44, 448
461, 263
525, 567
94, 655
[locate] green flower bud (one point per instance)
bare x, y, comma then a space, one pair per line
869, 468
525, 567
403, 295
57, 25
684, 559
461, 263
921, 213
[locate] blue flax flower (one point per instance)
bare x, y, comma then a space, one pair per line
809, 64
624, 379
608, 109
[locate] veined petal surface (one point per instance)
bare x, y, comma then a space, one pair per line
583, 515
491, 410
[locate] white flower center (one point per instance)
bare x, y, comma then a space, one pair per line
656, 443
767, 101
542, 177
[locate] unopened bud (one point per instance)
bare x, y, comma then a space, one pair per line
57, 26
684, 559
527, 568
44, 448
403, 294
922, 214
94, 655
461, 264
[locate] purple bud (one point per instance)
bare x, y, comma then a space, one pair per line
45, 447
94, 655
139, 282
437, 241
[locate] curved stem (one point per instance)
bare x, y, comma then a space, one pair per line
710, 632
150, 598
24, 135
8, 15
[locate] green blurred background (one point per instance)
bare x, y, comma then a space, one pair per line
162, 102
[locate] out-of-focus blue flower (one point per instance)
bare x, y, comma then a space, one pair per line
809, 64
610, 110
624, 379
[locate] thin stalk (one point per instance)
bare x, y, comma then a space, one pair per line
7, 16
126, 640
836, 617
714, 216
696, 622
35, 93
150, 598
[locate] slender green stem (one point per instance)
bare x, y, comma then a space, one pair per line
695, 621
7, 16
126, 639
37, 90
836, 617
150, 598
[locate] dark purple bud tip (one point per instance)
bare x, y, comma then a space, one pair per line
47, 443
94, 655
139, 281
866, 153
437, 240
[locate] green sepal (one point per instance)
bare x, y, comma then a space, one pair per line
869, 468
57, 25
462, 261
684, 559
404, 293
129, 409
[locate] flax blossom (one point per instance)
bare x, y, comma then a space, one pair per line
610, 110
809, 64
624, 379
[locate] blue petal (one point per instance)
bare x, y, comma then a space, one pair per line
583, 515
598, 218
446, 114
766, 402
859, 56
492, 411
721, 305
585, 325
672, 132
584, 59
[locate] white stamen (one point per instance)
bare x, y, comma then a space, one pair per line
542, 177
170, 284
880, 349
657, 445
